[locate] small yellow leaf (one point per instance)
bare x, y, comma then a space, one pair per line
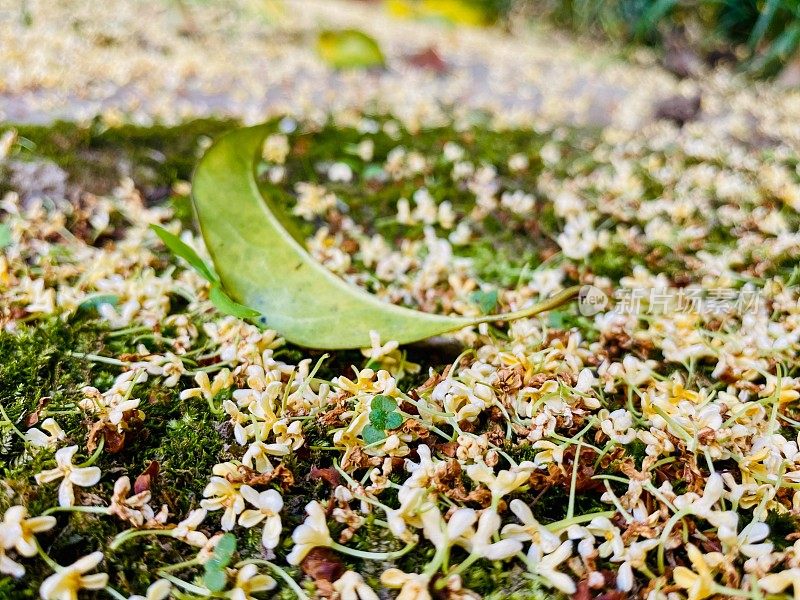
349, 49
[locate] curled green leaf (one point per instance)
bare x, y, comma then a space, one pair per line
264, 267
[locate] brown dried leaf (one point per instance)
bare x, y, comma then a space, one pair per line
145, 480
428, 59
280, 474
33, 418
328, 474
324, 567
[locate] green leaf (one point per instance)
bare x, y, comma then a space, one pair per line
372, 435
377, 419
486, 300
186, 252
349, 49
394, 420
225, 305
5, 236
556, 319
225, 548
215, 578
384, 403
261, 265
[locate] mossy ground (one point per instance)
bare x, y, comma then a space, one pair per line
39, 361
41, 372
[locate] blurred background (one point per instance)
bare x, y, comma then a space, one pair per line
605, 62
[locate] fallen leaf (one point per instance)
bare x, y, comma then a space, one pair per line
262, 263
145, 480
328, 474
322, 565
349, 49
33, 418
428, 59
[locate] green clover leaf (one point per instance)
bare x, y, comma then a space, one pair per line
384, 403
377, 419
394, 420
215, 577
372, 435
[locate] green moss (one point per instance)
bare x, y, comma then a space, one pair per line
781, 525
96, 156
182, 437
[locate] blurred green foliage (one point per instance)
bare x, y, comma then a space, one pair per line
764, 33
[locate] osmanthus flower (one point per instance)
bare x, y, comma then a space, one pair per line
222, 494
480, 542
775, 583
460, 400
18, 531
349, 437
258, 455
530, 530
505, 482
378, 350
312, 200
7, 565
134, 508
312, 533
411, 501
634, 557
66, 582
747, 541
746, 494
276, 149
47, 436
703, 506
158, 590
206, 388
268, 505
443, 534
412, 586
549, 452
289, 434
546, 567
422, 471
699, 580
351, 586
248, 582
617, 425
70, 475
169, 366
365, 382
186, 530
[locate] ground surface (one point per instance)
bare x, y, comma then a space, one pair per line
649, 448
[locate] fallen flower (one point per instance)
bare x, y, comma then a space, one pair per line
311, 533
65, 583
70, 475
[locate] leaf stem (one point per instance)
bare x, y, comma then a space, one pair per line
549, 304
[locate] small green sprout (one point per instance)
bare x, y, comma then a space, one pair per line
215, 577
383, 416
